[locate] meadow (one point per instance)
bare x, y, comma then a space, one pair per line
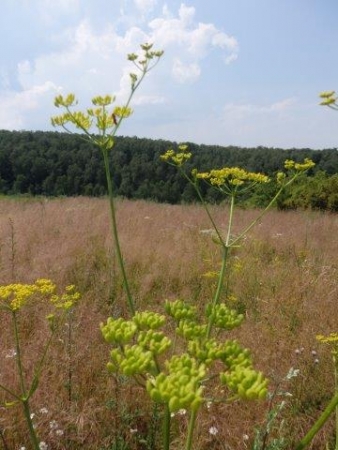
283, 279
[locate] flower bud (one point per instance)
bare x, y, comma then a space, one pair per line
224, 317
246, 383
180, 310
118, 331
148, 320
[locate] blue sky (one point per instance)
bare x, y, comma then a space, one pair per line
234, 72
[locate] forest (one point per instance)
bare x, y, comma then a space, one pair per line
59, 164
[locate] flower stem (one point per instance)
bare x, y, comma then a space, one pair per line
18, 354
32, 433
335, 361
191, 428
218, 292
130, 300
319, 423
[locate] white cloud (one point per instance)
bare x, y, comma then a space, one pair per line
149, 100
239, 111
90, 61
187, 37
185, 72
15, 105
145, 5
51, 10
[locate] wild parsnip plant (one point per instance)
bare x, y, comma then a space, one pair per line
107, 119
14, 298
186, 371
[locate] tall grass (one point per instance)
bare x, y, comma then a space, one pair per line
284, 279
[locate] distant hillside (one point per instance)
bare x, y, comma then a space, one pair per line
54, 164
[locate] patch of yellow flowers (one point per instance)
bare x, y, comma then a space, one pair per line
15, 296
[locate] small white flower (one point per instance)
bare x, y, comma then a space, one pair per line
209, 405
316, 361
297, 351
44, 411
59, 432
22, 448
182, 412
213, 431
133, 430
245, 437
53, 425
32, 416
43, 446
313, 352
11, 353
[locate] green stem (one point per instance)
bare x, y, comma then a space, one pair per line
319, 423
166, 427
39, 367
13, 394
115, 233
191, 428
226, 250
18, 355
335, 362
265, 210
219, 288
32, 433
205, 206
231, 217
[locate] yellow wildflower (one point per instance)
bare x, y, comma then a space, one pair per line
177, 158
331, 338
234, 176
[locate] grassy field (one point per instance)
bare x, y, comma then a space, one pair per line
283, 278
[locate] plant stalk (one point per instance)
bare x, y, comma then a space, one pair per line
331, 407
191, 428
130, 300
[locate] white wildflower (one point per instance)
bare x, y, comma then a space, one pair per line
213, 431
53, 425
11, 353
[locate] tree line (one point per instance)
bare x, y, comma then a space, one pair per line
61, 164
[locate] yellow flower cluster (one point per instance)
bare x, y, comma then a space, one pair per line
177, 158
332, 338
234, 176
329, 98
16, 296
66, 300
289, 164
84, 120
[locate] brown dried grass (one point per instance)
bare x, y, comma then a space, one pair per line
284, 278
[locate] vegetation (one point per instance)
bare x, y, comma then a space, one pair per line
54, 164
284, 281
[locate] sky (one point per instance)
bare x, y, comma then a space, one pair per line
234, 72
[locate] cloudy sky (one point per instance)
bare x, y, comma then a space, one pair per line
234, 72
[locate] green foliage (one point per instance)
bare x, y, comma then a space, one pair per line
54, 164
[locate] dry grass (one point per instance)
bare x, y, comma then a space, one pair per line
284, 279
